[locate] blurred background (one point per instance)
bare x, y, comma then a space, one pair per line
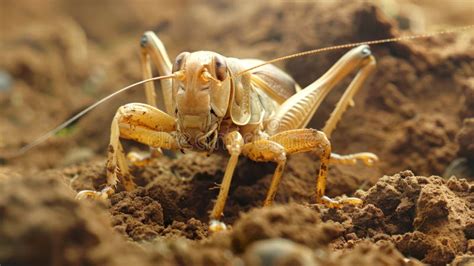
57, 57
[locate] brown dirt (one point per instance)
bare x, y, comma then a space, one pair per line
416, 113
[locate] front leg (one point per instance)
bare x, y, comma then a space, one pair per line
139, 122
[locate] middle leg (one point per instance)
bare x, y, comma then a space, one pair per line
311, 140
368, 158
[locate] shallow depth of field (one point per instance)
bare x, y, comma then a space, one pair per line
416, 113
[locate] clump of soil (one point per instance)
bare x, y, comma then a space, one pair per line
427, 217
409, 114
43, 224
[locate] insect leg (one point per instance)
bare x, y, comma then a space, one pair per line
139, 122
297, 111
311, 140
347, 100
367, 158
366, 68
268, 151
153, 49
234, 143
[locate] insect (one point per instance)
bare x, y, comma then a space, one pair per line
254, 108
261, 114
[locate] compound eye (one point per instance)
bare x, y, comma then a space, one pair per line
179, 62
221, 68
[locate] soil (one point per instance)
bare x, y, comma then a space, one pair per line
416, 114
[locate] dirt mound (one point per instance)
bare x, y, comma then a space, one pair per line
426, 218
43, 224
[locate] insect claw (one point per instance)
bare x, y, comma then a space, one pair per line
216, 186
91, 194
142, 158
216, 226
337, 204
369, 159
95, 195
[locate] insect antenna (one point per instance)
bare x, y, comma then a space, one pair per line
51, 133
350, 45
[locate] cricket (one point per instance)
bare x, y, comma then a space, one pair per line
254, 108
208, 103
260, 114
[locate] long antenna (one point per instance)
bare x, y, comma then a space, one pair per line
44, 137
51, 133
350, 45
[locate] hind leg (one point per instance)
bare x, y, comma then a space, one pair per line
297, 111
152, 51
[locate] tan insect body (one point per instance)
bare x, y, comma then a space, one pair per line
261, 114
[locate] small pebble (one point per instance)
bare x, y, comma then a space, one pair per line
6, 81
461, 168
278, 251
